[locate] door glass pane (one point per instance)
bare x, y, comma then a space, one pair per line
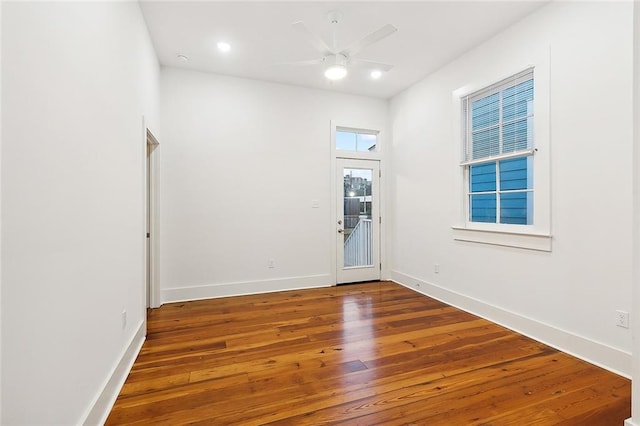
357, 217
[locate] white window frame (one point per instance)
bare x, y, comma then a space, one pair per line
468, 161
364, 155
536, 236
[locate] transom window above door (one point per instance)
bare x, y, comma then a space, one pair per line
357, 141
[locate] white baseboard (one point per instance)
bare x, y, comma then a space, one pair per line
630, 422
212, 291
101, 407
602, 355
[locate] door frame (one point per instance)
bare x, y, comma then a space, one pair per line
334, 156
151, 290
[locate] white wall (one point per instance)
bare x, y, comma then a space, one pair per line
76, 81
635, 319
240, 163
566, 297
0, 218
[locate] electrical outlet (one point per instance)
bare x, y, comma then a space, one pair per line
436, 268
622, 319
124, 319
271, 263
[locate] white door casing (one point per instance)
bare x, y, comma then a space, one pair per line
151, 224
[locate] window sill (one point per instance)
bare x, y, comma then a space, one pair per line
524, 240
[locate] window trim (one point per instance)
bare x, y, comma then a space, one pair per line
537, 236
363, 155
507, 156
470, 157
525, 238
357, 132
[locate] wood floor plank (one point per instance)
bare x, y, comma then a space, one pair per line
367, 354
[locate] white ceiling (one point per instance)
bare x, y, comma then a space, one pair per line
264, 43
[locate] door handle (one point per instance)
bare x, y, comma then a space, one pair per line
340, 231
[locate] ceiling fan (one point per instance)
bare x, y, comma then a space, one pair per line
337, 61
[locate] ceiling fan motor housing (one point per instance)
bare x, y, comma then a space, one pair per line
334, 16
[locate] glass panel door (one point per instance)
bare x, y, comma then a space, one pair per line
358, 224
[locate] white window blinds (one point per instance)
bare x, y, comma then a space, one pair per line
498, 120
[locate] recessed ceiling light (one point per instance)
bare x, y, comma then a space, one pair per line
183, 58
336, 72
376, 74
223, 46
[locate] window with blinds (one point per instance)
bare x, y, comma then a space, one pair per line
498, 151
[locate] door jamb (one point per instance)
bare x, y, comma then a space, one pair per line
151, 143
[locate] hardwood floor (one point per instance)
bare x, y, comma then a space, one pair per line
365, 354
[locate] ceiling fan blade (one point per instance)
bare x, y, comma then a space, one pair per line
373, 65
312, 37
303, 63
377, 35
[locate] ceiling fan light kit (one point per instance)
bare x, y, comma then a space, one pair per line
341, 60
336, 72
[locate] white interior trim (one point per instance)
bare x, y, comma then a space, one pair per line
103, 403
635, 230
597, 353
524, 240
0, 222
540, 60
359, 128
154, 252
333, 207
508, 155
212, 291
